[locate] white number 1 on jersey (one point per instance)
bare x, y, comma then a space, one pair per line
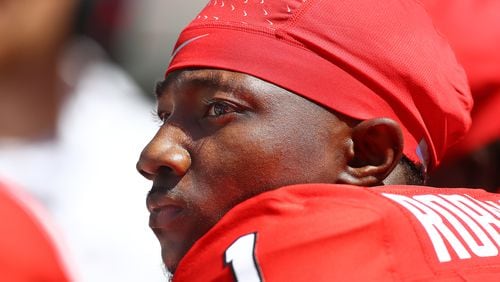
241, 258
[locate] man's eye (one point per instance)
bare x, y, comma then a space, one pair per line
219, 108
164, 116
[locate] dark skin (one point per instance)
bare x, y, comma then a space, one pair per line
228, 136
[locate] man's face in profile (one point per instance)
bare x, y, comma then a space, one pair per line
226, 137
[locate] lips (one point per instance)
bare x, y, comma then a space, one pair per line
164, 211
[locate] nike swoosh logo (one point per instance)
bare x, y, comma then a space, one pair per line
185, 43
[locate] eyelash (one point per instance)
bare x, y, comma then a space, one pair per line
228, 108
161, 117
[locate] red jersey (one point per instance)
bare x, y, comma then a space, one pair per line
323, 232
28, 251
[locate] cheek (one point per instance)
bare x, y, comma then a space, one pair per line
231, 166
244, 155
248, 160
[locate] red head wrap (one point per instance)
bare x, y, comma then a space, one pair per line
364, 59
473, 29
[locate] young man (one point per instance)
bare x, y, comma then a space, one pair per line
278, 116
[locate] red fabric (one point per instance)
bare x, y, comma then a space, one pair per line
27, 252
323, 232
364, 59
473, 29
485, 125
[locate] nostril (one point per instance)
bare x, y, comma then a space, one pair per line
164, 170
178, 161
149, 176
144, 171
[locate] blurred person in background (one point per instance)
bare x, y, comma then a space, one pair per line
30, 250
71, 124
473, 29
150, 32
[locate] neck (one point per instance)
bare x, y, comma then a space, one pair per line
397, 176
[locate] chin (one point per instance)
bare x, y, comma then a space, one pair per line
170, 261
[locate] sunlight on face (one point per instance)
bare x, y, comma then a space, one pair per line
226, 137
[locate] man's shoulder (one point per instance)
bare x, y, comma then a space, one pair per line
382, 201
325, 232
326, 192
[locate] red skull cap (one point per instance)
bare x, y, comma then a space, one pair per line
362, 58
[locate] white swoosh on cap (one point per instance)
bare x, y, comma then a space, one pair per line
185, 43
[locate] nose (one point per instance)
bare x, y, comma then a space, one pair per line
166, 149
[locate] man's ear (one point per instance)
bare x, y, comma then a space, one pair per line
375, 149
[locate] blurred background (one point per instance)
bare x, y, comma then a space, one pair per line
472, 28
76, 102
151, 27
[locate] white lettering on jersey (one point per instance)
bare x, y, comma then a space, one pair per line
486, 215
456, 219
241, 257
437, 230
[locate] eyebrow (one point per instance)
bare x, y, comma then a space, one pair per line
160, 88
211, 80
